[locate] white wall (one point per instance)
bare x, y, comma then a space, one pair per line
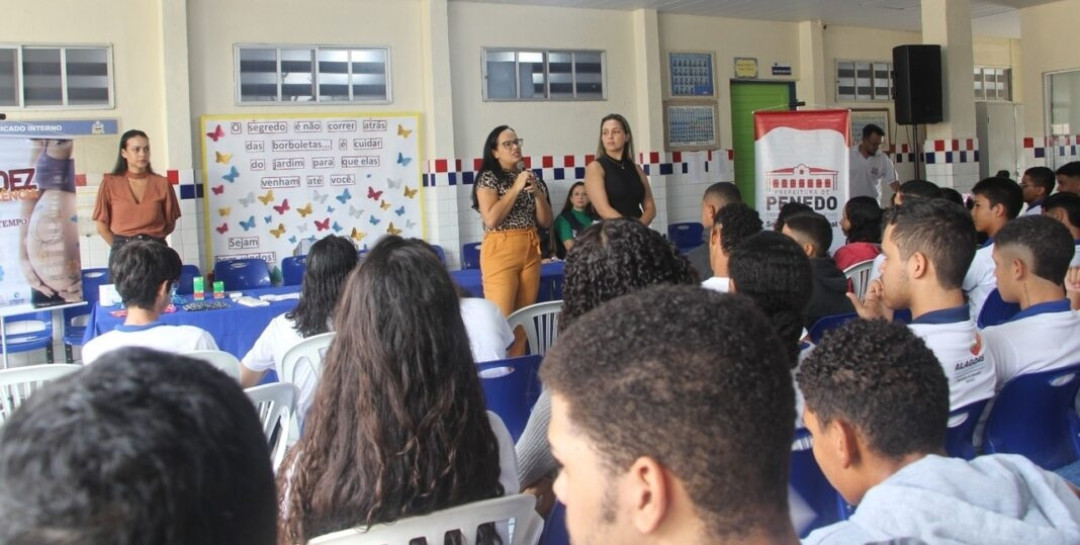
1050, 42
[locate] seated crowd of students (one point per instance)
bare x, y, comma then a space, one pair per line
668, 410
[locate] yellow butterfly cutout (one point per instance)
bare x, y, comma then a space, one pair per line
410, 193
384, 205
391, 230
224, 211
268, 198
403, 132
222, 158
357, 234
304, 211
279, 231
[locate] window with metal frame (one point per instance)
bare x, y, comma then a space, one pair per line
56, 76
859, 81
543, 74
312, 74
993, 83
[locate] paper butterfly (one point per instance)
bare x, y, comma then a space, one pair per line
400, 211
302, 227
374, 220
224, 211
390, 229
222, 158
344, 197
292, 239
410, 224
322, 225
337, 227
249, 200
355, 212
232, 175
284, 206
305, 210
249, 224
279, 231
357, 234
217, 134
403, 132
402, 160
384, 205
224, 226
266, 199
330, 209
320, 197
268, 219
218, 189
411, 193
394, 184
372, 194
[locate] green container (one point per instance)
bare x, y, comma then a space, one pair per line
198, 287
219, 289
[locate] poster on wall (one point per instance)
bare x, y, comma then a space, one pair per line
691, 75
802, 156
39, 228
273, 184
690, 125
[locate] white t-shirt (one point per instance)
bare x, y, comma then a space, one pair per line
866, 174
1041, 337
980, 279
952, 336
721, 284
489, 334
1033, 210
178, 339
269, 349
1076, 256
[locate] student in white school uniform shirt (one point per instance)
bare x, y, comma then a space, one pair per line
997, 201
144, 272
731, 225
1037, 183
868, 167
928, 245
1065, 208
1032, 257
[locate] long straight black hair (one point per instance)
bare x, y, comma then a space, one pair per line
328, 264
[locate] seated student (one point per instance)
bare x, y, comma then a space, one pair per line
928, 246
1065, 207
829, 296
877, 405
330, 260
787, 210
717, 196
1068, 178
141, 447
1037, 184
997, 200
144, 272
920, 189
1032, 256
672, 419
731, 225
398, 426
952, 195
577, 214
489, 332
861, 224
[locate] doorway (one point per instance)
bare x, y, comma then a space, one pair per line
746, 98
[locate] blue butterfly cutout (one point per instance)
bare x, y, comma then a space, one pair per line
330, 209
400, 211
344, 197
336, 227
232, 175
374, 220
402, 160
249, 224
292, 239
268, 219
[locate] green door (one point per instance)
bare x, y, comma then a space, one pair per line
746, 98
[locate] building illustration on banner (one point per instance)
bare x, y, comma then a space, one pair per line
814, 187
273, 182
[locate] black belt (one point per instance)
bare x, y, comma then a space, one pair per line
119, 239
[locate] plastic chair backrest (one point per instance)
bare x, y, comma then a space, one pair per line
511, 387
302, 366
275, 404
186, 284
470, 255
859, 275
521, 508
541, 324
17, 384
439, 250
825, 323
1034, 415
92, 279
243, 274
555, 532
810, 484
292, 270
959, 439
996, 311
220, 359
30, 331
686, 235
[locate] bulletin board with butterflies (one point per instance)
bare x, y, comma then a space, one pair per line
272, 181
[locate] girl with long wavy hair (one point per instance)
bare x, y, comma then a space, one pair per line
398, 427
861, 223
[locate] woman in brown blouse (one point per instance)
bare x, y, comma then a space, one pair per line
133, 202
512, 201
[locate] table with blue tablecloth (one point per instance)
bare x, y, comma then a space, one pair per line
551, 281
235, 328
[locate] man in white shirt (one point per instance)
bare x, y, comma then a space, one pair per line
1032, 256
997, 201
868, 168
731, 225
1037, 184
928, 245
144, 272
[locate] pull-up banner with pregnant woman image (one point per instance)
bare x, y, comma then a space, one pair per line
270, 182
802, 157
39, 235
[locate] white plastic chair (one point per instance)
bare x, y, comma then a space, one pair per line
859, 274
541, 323
16, 385
302, 366
275, 404
466, 518
219, 358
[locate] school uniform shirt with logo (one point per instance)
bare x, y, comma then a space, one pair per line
177, 339
952, 336
1042, 337
980, 279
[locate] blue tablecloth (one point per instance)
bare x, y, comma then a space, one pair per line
235, 329
551, 281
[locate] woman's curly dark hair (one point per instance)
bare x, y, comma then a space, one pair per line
616, 257
398, 426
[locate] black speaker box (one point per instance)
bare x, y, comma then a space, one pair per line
917, 84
